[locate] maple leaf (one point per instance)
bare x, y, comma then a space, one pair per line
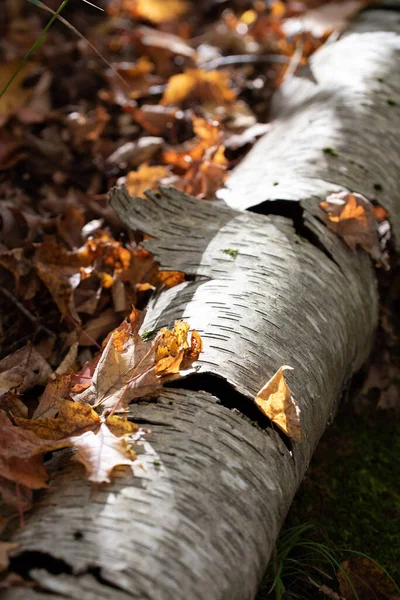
17, 95
351, 216
211, 87
73, 418
275, 400
145, 178
100, 453
131, 367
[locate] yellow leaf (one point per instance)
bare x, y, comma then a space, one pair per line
100, 453
145, 178
203, 86
159, 11
120, 426
73, 418
276, 402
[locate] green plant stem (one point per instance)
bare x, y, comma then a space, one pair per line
35, 46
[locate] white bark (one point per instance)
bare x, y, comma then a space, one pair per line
201, 522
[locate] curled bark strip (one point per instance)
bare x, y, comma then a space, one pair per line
341, 133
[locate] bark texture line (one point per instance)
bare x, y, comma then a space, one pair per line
341, 133
200, 522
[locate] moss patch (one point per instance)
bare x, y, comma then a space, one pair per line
352, 489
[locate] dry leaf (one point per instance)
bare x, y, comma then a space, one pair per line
100, 453
145, 178
120, 426
351, 216
73, 418
131, 367
157, 11
323, 19
17, 95
5, 548
23, 369
361, 577
211, 87
276, 402
55, 391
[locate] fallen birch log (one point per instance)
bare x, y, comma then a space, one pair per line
201, 521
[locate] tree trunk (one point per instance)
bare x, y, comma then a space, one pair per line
201, 521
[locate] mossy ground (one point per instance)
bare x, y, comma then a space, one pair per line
352, 489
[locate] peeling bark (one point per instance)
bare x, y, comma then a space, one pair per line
200, 521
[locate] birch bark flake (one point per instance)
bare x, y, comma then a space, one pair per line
275, 400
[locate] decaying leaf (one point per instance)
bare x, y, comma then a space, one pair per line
351, 216
100, 453
17, 95
211, 87
361, 577
55, 391
275, 400
173, 352
323, 19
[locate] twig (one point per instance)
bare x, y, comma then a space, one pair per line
25, 311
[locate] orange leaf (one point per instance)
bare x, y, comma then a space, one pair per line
351, 216
276, 402
145, 178
197, 85
157, 11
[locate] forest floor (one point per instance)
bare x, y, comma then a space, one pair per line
70, 272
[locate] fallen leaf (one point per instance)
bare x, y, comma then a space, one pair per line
5, 548
23, 369
323, 19
17, 95
12, 405
98, 327
361, 577
351, 216
155, 119
56, 390
171, 278
211, 87
19, 498
131, 367
73, 418
275, 400
120, 426
100, 453
156, 11
145, 178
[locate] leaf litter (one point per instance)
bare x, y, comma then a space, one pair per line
182, 94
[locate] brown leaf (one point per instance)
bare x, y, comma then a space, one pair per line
55, 391
211, 87
100, 453
19, 498
73, 418
12, 405
131, 367
153, 118
98, 327
23, 369
276, 402
5, 548
17, 95
323, 19
361, 577
145, 178
351, 216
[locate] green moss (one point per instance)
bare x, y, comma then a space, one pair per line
353, 488
330, 151
378, 187
380, 79
392, 101
232, 252
148, 334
